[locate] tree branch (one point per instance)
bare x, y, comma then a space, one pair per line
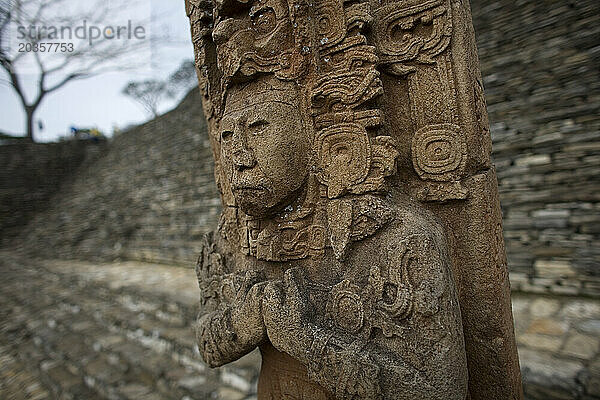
14, 79
57, 69
6, 82
66, 80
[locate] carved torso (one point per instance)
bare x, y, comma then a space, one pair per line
378, 324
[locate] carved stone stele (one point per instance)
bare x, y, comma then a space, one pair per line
360, 245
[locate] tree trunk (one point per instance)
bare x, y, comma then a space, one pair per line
29, 112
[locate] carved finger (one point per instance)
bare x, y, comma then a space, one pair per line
292, 280
253, 302
250, 279
257, 291
272, 308
273, 299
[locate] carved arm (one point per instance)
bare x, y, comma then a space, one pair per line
230, 324
233, 330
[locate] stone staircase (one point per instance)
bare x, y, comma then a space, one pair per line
69, 335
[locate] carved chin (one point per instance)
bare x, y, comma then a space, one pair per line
255, 202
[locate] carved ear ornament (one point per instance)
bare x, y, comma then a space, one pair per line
344, 157
349, 162
330, 22
342, 144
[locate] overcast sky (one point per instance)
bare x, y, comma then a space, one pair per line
98, 102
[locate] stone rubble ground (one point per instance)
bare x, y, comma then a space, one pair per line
81, 330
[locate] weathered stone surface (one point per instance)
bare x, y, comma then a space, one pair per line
150, 194
542, 91
549, 379
582, 346
114, 358
580, 309
554, 269
543, 307
558, 352
591, 327
540, 342
546, 326
30, 173
360, 246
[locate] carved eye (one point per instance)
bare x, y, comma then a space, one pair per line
226, 136
264, 21
257, 126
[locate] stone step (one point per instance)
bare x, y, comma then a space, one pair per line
108, 342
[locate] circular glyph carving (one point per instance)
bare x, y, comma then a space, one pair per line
439, 152
345, 307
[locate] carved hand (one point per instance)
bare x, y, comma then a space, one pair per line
284, 313
337, 363
246, 311
234, 329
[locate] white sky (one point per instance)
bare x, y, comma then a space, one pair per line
98, 102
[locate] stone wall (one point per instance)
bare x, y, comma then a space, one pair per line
30, 173
151, 196
540, 59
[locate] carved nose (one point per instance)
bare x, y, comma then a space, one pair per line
243, 157
226, 30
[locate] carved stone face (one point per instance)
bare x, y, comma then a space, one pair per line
264, 151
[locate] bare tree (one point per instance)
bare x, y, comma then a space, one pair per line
41, 27
149, 94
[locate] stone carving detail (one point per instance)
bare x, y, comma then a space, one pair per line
382, 304
413, 41
323, 258
412, 31
439, 153
344, 157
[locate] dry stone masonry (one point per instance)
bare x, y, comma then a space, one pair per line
31, 173
150, 196
539, 61
129, 337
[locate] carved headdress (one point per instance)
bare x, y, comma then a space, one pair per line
320, 47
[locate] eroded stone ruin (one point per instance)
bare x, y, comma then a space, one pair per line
360, 244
